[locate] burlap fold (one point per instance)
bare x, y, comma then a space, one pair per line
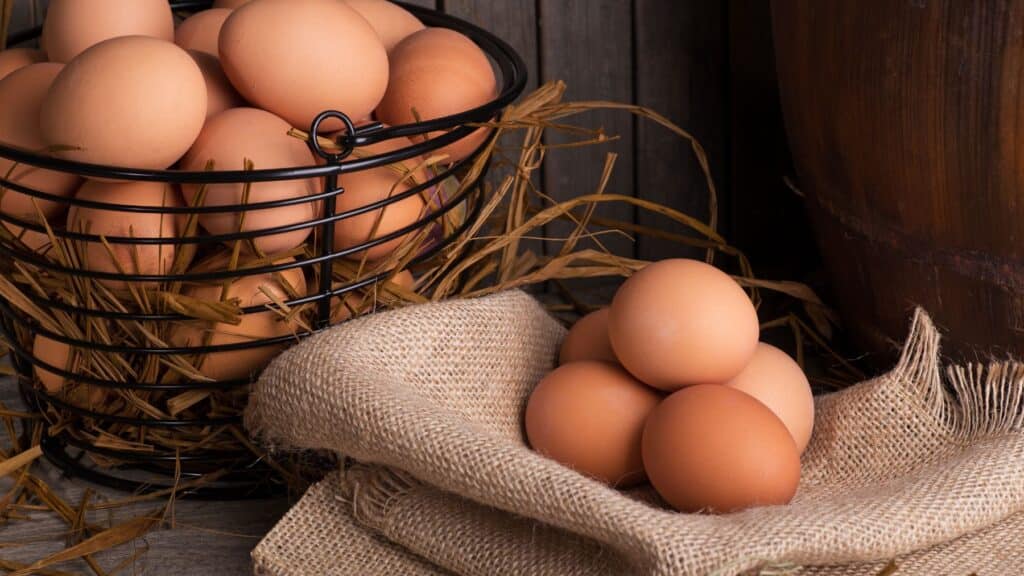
429, 400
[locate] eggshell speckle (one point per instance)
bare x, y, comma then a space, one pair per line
435, 73
21, 96
201, 30
245, 291
138, 259
241, 134
132, 102
391, 22
220, 94
588, 340
298, 58
714, 448
73, 26
365, 187
590, 417
682, 322
778, 382
15, 58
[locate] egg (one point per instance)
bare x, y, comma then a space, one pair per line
133, 102
779, 383
231, 138
365, 187
363, 301
220, 94
435, 73
137, 259
246, 291
681, 322
391, 22
30, 239
713, 448
298, 58
201, 30
588, 340
590, 417
229, 4
15, 58
21, 96
52, 353
59, 356
73, 26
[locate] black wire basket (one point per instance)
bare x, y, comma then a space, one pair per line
242, 473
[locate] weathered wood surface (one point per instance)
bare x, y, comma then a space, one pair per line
588, 44
209, 538
690, 89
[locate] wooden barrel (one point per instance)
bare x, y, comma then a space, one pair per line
906, 123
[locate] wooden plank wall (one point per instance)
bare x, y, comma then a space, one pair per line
666, 54
705, 64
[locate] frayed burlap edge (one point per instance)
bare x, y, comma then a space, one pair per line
973, 400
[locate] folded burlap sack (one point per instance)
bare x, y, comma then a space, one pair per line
428, 400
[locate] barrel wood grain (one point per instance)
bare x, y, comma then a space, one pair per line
904, 123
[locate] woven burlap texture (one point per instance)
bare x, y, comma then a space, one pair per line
429, 401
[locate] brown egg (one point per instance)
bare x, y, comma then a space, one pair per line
778, 382
588, 340
73, 26
366, 187
360, 302
132, 102
58, 355
15, 58
231, 138
298, 58
34, 241
714, 448
438, 72
138, 259
681, 322
590, 416
21, 96
52, 353
248, 291
229, 4
201, 30
220, 94
391, 22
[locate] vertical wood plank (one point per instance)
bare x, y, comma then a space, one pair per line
424, 3
769, 222
27, 13
589, 44
514, 21
681, 57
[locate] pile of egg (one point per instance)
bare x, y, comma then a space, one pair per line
670, 384
123, 83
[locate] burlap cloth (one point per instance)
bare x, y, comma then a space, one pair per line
428, 400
